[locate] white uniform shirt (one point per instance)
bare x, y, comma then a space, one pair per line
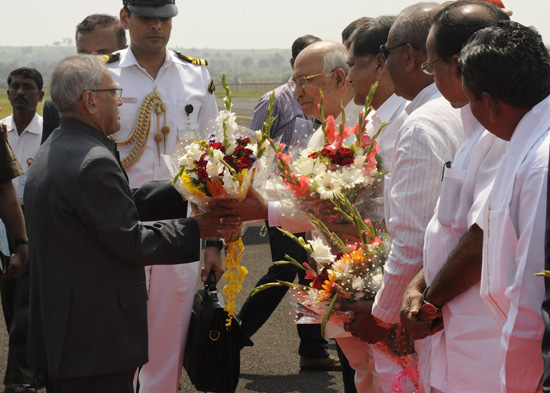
429, 137
392, 111
178, 84
514, 224
469, 343
24, 147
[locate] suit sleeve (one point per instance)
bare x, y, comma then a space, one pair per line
158, 200
106, 208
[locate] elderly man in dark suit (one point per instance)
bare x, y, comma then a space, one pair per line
88, 318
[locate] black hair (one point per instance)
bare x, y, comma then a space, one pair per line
367, 39
30, 73
348, 31
94, 21
453, 26
509, 62
302, 42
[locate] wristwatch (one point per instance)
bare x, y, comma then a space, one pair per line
214, 243
18, 242
428, 307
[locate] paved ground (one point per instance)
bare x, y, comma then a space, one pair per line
272, 364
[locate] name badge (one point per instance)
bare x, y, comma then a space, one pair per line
129, 100
22, 181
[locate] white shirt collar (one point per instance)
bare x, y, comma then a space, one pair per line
34, 126
425, 95
387, 110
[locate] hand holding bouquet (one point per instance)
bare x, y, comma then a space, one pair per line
224, 167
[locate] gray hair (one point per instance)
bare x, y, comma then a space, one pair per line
413, 24
72, 77
336, 57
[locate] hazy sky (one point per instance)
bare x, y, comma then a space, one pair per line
237, 24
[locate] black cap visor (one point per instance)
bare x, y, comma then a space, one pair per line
164, 11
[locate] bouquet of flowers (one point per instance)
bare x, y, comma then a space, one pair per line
224, 166
352, 273
316, 174
346, 273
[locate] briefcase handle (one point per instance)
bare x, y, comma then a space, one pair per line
210, 286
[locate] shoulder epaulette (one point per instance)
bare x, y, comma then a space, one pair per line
190, 59
108, 59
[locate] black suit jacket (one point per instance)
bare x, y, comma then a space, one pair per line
50, 119
88, 312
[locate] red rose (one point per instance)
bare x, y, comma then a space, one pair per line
243, 162
203, 174
217, 146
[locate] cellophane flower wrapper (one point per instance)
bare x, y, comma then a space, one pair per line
224, 165
347, 163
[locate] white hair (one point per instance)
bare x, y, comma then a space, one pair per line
71, 77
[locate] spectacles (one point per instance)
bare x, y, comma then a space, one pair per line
385, 51
427, 66
302, 81
116, 90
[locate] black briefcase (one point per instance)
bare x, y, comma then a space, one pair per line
213, 351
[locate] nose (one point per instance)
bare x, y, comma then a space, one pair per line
118, 101
155, 24
298, 91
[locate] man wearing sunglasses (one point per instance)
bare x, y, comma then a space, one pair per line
427, 140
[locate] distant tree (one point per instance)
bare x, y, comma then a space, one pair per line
69, 41
26, 50
264, 63
56, 43
247, 62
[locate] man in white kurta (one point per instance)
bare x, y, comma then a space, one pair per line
469, 342
513, 220
183, 85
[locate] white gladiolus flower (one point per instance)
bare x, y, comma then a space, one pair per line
321, 252
230, 185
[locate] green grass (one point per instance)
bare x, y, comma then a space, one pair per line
6, 106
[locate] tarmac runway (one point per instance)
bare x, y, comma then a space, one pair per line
272, 364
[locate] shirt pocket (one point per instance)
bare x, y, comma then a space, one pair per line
448, 211
187, 121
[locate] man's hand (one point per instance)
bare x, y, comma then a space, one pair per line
364, 325
417, 322
252, 208
212, 261
17, 261
215, 221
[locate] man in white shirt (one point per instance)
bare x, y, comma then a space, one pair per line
184, 85
427, 139
24, 132
506, 78
469, 342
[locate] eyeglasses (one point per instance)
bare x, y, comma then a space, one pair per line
385, 51
427, 66
116, 90
302, 81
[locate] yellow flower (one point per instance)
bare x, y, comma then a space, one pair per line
190, 185
234, 274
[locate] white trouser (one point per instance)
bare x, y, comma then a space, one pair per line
171, 291
387, 370
360, 358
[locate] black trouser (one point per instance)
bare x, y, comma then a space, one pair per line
15, 303
258, 308
122, 382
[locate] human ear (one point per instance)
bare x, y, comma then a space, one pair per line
491, 106
124, 18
